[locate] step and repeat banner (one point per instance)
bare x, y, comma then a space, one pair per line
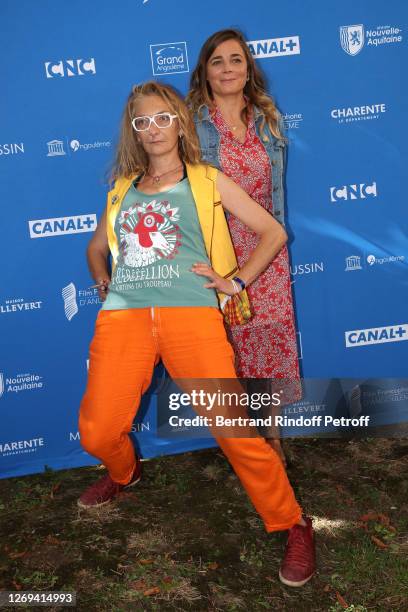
336, 71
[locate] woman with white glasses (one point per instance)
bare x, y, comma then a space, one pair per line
172, 264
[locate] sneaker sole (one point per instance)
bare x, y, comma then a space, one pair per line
88, 506
108, 501
292, 583
132, 484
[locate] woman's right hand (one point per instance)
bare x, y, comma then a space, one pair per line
103, 287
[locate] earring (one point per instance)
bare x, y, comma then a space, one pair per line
182, 141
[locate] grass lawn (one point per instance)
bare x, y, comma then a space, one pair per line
187, 538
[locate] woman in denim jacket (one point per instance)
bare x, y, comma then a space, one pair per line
241, 133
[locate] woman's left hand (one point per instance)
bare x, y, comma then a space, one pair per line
216, 281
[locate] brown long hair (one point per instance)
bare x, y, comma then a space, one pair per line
255, 88
131, 158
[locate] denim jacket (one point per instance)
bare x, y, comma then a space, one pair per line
274, 147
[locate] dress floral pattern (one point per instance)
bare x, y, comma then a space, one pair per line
265, 347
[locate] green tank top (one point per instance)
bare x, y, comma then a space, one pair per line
159, 238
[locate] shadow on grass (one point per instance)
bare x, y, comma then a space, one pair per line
187, 538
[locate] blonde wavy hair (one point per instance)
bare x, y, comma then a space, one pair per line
131, 158
200, 93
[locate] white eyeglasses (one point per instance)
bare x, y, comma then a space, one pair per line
160, 120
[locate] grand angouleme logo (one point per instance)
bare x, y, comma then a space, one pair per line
274, 47
74, 299
353, 37
20, 382
169, 58
60, 226
376, 335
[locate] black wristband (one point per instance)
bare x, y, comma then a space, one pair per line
240, 282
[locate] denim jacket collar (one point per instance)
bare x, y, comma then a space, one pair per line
205, 113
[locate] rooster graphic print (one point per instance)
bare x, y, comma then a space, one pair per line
149, 232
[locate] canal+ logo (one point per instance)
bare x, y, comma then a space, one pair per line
274, 47
168, 58
376, 335
59, 226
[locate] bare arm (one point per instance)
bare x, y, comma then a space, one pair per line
272, 235
97, 254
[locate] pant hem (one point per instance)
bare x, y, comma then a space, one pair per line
283, 526
126, 481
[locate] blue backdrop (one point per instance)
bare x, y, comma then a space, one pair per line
66, 68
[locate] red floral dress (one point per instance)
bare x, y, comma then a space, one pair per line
265, 347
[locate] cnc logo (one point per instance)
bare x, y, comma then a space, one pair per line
359, 191
376, 335
59, 226
70, 68
274, 47
169, 58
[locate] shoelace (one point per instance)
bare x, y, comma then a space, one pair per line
296, 549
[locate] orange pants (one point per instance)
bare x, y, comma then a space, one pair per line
192, 343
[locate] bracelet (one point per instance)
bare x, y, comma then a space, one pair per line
235, 285
240, 282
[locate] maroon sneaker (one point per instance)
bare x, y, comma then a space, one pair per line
105, 489
299, 562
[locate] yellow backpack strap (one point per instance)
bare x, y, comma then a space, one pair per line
212, 174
